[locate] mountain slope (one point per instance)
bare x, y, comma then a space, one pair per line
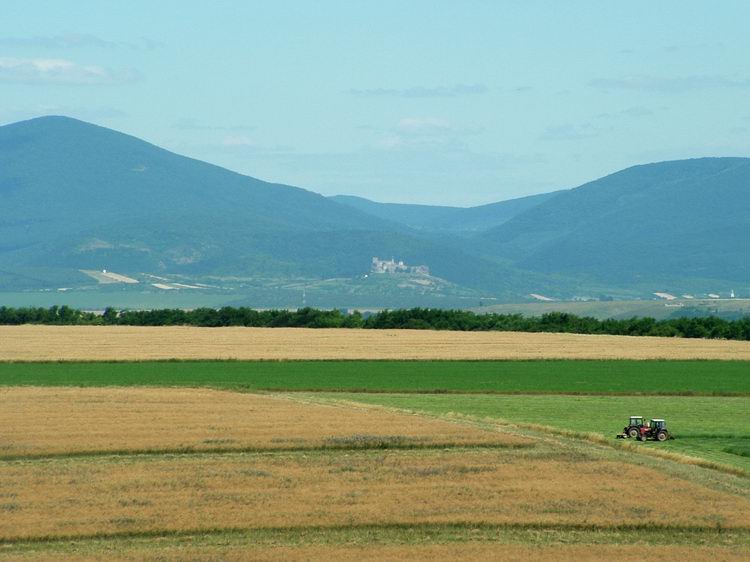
440, 219
670, 220
78, 196
413, 216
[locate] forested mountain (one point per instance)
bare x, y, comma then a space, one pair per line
78, 196
456, 220
680, 220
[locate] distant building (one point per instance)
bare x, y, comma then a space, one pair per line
393, 266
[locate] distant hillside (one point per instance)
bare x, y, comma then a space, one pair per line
678, 221
440, 219
413, 216
78, 196
75, 196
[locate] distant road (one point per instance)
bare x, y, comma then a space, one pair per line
68, 343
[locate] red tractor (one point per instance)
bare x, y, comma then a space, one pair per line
633, 429
656, 430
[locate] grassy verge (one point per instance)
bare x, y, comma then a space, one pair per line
714, 428
717, 378
393, 534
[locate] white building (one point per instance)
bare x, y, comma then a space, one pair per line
393, 266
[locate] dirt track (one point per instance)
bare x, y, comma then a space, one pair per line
50, 343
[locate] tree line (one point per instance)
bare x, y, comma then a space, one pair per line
710, 327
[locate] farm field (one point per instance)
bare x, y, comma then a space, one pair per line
122, 343
369, 459
160, 420
472, 543
730, 378
713, 428
347, 481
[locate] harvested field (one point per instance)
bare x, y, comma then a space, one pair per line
59, 421
148, 494
53, 343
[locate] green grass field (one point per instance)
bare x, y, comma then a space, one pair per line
707, 427
728, 378
705, 403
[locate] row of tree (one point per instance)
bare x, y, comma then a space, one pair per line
415, 318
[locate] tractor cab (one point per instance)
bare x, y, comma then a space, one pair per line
656, 429
633, 429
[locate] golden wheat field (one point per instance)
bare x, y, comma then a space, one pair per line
49, 421
115, 495
133, 473
52, 343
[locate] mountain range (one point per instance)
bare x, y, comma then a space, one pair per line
76, 196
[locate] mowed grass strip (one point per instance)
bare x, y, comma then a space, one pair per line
44, 499
546, 377
715, 428
53, 343
46, 421
223, 543
479, 551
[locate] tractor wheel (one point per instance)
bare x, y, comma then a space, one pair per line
661, 436
632, 433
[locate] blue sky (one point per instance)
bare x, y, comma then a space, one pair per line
456, 103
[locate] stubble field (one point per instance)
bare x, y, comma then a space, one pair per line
45, 422
89, 468
124, 343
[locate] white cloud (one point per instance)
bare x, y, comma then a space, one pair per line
636, 111
423, 125
569, 131
75, 40
58, 71
669, 85
191, 124
431, 126
424, 133
424, 91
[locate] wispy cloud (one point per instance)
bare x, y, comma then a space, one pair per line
234, 144
424, 91
74, 40
635, 112
59, 71
663, 84
569, 131
191, 124
434, 126
423, 133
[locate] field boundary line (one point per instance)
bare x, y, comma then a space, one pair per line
377, 446
648, 528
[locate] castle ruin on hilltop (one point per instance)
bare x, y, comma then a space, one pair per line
393, 266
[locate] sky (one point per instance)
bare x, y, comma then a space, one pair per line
452, 103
